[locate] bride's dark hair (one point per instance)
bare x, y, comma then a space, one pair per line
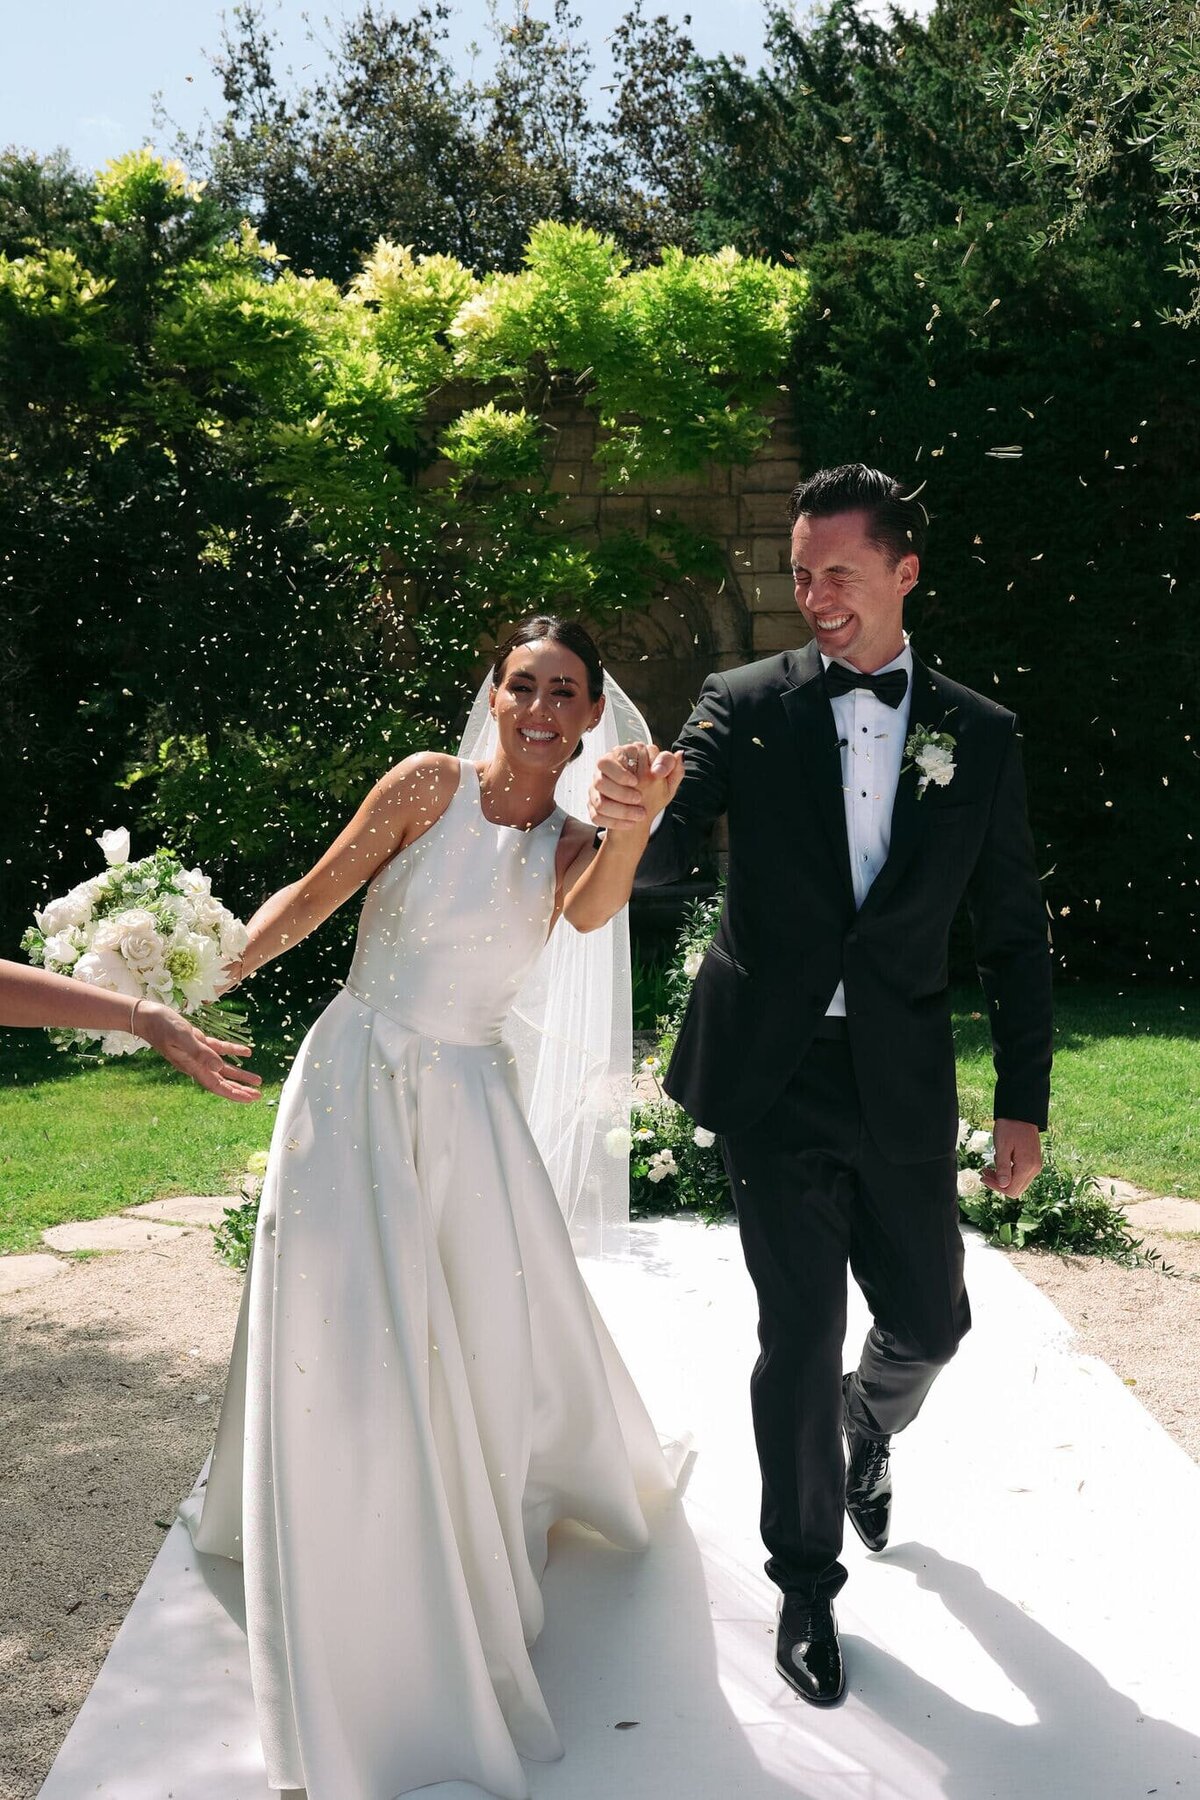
571, 635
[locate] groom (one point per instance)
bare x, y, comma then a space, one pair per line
817, 1040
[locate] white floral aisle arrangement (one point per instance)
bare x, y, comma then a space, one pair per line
150, 929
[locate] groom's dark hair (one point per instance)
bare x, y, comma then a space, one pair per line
896, 521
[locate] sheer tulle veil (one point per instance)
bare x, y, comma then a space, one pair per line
571, 1029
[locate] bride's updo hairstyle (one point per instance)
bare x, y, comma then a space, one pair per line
571, 635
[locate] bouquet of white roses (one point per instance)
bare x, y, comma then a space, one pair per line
150, 929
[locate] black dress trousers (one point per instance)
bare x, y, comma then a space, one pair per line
813, 1193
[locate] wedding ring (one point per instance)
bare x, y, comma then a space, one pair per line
630, 760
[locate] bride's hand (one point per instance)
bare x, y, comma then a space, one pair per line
233, 974
194, 1053
632, 785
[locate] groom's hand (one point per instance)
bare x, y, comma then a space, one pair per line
632, 785
1018, 1156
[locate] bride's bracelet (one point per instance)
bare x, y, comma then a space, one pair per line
133, 1014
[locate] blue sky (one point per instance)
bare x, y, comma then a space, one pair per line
83, 73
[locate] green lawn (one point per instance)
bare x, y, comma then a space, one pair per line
1126, 1083
79, 1142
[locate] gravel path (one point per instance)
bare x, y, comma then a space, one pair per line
111, 1375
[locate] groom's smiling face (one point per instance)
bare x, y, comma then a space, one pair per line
849, 589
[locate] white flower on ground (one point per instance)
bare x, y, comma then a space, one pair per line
964, 1131
970, 1183
256, 1162
618, 1142
651, 1063
980, 1144
115, 845
692, 963
703, 1138
661, 1165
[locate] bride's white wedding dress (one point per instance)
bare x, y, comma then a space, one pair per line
420, 1384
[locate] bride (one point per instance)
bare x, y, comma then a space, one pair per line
420, 1384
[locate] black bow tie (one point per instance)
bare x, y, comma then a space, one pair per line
890, 688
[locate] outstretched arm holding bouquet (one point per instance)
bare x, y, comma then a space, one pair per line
38, 997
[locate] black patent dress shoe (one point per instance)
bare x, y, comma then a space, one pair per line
868, 1481
807, 1652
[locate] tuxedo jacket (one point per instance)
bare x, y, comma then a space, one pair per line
762, 748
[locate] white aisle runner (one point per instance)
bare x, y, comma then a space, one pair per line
1030, 1632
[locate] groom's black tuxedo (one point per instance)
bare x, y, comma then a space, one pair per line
761, 746
839, 1136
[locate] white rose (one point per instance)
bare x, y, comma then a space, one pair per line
964, 1131
692, 964
936, 764
156, 979
143, 951
702, 1138
970, 1183
618, 1142
115, 845
207, 913
980, 1144
233, 937
133, 921
108, 969
70, 911
62, 949
135, 934
194, 882
661, 1165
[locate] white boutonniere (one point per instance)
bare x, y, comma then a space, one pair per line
932, 753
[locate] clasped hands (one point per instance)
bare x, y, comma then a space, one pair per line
632, 785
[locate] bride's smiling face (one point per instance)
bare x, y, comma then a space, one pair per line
542, 706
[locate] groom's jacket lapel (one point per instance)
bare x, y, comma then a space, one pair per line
912, 811
814, 733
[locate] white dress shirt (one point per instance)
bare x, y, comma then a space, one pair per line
872, 738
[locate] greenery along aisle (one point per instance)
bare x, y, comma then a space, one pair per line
676, 1165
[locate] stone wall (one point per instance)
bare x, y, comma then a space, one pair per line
661, 656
